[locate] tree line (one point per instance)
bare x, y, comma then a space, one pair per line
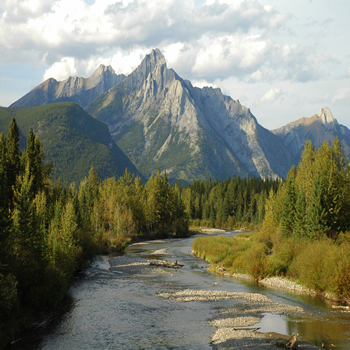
48, 230
305, 234
314, 201
234, 202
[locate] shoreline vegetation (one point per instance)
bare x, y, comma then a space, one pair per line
305, 233
274, 282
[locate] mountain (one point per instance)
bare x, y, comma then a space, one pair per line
71, 138
80, 90
160, 120
318, 128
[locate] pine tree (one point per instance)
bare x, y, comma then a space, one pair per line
300, 223
270, 220
4, 205
25, 245
316, 212
288, 212
13, 155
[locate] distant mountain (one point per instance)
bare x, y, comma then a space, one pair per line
80, 90
161, 120
318, 128
71, 138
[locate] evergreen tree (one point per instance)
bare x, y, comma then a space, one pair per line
316, 212
288, 212
300, 223
4, 205
13, 156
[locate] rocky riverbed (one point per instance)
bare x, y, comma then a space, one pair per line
235, 324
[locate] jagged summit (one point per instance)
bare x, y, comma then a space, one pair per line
103, 69
75, 89
321, 127
161, 120
326, 116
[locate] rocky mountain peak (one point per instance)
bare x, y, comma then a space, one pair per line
102, 69
326, 116
151, 61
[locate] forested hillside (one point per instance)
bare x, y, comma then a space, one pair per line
71, 139
48, 230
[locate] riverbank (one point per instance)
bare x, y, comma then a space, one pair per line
313, 268
278, 282
236, 324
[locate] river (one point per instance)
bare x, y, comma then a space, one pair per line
111, 308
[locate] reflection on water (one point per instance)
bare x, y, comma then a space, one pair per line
110, 309
272, 322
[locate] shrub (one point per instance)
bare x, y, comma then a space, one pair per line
315, 265
257, 264
282, 257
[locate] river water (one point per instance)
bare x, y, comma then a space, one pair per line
109, 308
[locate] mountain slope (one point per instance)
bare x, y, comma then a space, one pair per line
71, 138
318, 128
160, 120
80, 90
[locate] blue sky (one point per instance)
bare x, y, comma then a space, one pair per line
282, 59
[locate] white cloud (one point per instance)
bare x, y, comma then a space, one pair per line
341, 95
74, 28
254, 43
271, 95
202, 83
206, 42
61, 70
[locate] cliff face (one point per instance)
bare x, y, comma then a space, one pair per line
161, 120
80, 90
321, 127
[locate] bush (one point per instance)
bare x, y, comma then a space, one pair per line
257, 264
315, 265
282, 257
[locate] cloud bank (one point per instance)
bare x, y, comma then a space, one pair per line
262, 52
212, 41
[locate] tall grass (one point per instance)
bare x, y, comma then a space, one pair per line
322, 265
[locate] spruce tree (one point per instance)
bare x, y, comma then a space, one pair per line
288, 211
316, 212
300, 224
13, 156
4, 205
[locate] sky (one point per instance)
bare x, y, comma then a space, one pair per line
283, 59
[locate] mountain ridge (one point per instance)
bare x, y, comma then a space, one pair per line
162, 121
73, 89
213, 128
321, 127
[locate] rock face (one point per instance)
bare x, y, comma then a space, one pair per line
80, 90
321, 127
161, 120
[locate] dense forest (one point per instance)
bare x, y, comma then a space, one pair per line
231, 203
306, 228
48, 230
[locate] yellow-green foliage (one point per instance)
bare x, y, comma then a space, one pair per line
236, 254
321, 265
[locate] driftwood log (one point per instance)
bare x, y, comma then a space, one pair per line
164, 263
